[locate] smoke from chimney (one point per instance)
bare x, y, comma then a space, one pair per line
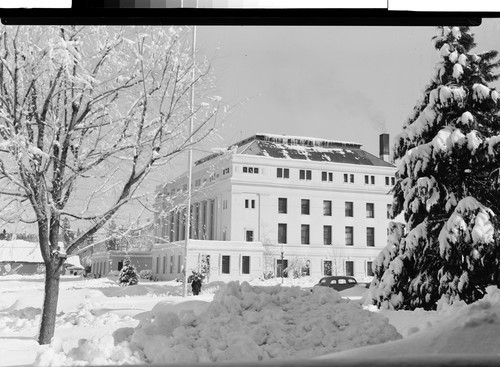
384, 147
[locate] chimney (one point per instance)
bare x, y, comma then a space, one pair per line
384, 147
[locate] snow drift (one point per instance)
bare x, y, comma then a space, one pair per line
243, 323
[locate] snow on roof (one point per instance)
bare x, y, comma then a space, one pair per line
20, 251
73, 262
304, 140
303, 148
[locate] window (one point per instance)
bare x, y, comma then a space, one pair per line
370, 236
369, 269
282, 205
224, 204
245, 264
351, 178
304, 207
157, 265
171, 264
225, 171
389, 211
249, 235
349, 210
387, 181
253, 204
282, 173
349, 236
179, 264
367, 180
225, 264
327, 207
281, 232
370, 210
246, 203
327, 235
249, 204
305, 174
372, 178
327, 267
250, 169
393, 181
349, 268
164, 264
304, 234
327, 176
197, 182
346, 179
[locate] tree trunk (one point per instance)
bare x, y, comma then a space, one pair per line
48, 324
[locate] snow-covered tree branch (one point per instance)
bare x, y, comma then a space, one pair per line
81, 106
447, 185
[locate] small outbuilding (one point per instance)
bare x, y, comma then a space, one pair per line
20, 257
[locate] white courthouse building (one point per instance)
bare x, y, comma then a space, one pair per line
274, 201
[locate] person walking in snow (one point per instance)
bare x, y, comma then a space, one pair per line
196, 285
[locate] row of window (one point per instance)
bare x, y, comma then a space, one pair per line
284, 173
326, 176
305, 206
226, 264
305, 230
329, 268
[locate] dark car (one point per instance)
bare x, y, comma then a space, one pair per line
339, 283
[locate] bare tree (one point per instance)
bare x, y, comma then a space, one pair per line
86, 113
334, 253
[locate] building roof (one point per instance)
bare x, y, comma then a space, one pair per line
302, 148
20, 251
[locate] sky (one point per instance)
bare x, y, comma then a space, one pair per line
339, 83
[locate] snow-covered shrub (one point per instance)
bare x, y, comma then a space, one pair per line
297, 268
128, 274
146, 274
267, 275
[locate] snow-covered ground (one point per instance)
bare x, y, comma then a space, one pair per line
101, 323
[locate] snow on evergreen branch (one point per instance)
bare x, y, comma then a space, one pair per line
478, 230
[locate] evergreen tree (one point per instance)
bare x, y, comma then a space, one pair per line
68, 234
128, 274
447, 186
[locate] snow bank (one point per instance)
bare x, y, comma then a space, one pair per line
242, 323
458, 329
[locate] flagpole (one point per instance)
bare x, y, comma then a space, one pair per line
190, 164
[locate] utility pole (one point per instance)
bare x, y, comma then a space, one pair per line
190, 164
